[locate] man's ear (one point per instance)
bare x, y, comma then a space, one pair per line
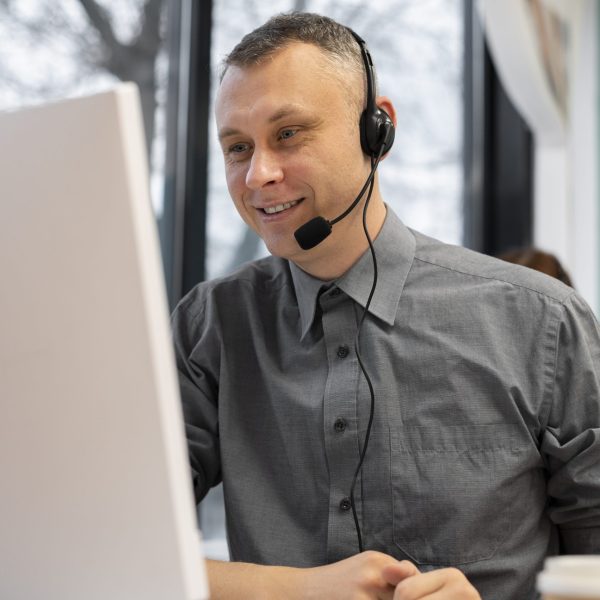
385, 103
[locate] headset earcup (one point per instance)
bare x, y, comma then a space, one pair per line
376, 129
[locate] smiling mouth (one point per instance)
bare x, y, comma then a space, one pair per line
271, 210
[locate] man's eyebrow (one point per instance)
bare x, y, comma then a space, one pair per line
286, 111
282, 113
228, 131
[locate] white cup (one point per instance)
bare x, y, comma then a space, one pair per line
570, 578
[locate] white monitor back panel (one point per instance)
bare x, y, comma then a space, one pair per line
96, 499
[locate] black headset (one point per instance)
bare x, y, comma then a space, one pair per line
376, 126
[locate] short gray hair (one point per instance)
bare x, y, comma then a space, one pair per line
336, 41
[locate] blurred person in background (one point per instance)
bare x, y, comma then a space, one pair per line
538, 260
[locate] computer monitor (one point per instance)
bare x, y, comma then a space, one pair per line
95, 499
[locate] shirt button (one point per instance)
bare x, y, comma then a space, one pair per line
335, 292
345, 504
339, 425
343, 351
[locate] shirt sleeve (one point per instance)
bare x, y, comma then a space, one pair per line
196, 355
571, 441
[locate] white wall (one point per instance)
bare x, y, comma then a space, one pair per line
582, 150
566, 193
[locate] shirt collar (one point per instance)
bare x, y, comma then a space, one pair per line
395, 250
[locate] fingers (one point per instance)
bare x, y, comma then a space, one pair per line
359, 576
395, 573
446, 584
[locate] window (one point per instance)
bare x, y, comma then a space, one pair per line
52, 49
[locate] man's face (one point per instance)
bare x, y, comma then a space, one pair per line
291, 143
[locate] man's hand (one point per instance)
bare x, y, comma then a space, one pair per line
366, 576
442, 584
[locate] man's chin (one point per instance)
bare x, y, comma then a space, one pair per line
287, 249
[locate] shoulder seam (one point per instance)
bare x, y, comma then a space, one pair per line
497, 279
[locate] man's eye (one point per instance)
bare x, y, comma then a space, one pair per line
286, 134
238, 148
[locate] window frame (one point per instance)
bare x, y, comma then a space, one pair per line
498, 154
183, 225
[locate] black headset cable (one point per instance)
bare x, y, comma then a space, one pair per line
363, 451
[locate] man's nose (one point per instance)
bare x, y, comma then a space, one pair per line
265, 168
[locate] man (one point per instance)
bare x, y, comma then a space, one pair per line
484, 449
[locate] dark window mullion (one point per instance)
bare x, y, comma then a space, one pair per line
498, 165
183, 226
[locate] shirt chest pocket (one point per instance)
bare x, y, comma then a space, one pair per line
453, 490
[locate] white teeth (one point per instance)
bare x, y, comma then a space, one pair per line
275, 209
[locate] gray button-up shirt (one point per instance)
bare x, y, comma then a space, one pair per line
485, 448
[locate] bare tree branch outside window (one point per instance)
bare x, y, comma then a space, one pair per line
84, 32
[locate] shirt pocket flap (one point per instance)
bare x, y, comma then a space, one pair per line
453, 489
